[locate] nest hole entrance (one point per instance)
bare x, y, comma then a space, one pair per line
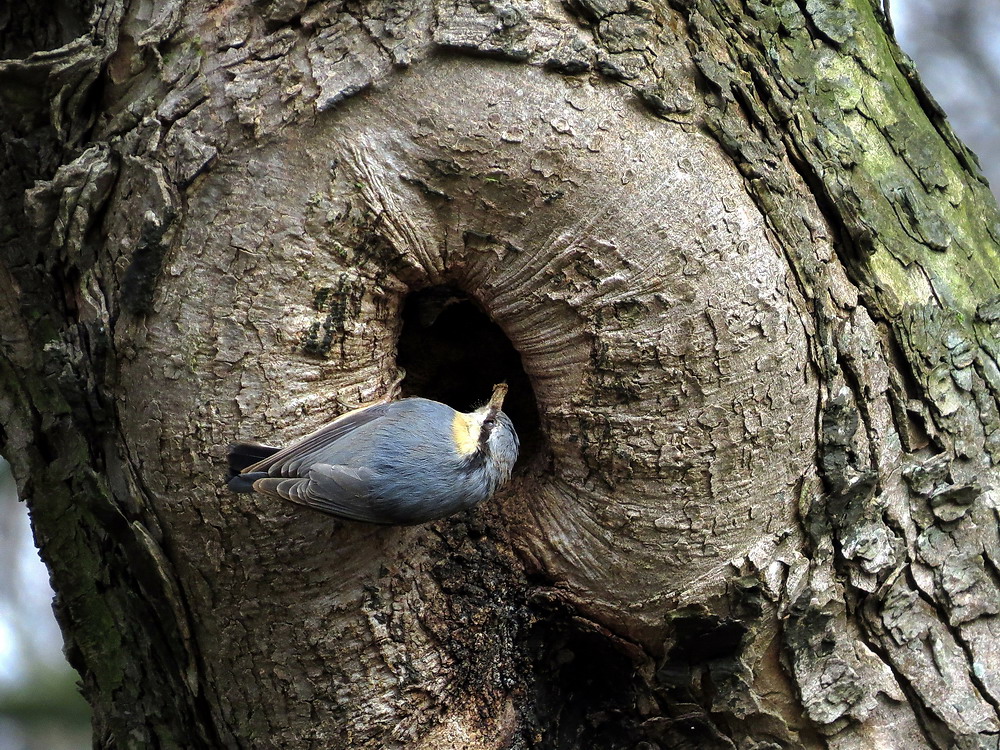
453, 352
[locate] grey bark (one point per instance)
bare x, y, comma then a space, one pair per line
749, 279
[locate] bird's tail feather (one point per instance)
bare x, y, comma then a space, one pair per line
244, 482
242, 455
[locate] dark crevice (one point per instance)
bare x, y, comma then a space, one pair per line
590, 689
585, 692
453, 352
26, 28
873, 636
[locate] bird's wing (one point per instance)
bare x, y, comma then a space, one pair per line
338, 490
290, 461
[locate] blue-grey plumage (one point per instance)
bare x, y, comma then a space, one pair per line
401, 462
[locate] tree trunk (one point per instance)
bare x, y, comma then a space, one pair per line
741, 278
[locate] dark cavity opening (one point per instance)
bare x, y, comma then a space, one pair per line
454, 353
585, 691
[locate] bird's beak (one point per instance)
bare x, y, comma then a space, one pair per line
496, 400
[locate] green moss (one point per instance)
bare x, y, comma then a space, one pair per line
78, 570
916, 226
341, 303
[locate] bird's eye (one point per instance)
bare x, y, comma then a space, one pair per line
489, 422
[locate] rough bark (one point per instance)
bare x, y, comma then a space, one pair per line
738, 271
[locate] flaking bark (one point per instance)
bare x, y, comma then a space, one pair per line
739, 273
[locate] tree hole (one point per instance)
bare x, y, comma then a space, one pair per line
454, 353
585, 692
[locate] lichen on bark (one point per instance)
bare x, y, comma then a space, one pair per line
730, 257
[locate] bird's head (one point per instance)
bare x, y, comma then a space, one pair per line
488, 433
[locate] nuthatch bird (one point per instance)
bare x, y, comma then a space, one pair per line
399, 462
